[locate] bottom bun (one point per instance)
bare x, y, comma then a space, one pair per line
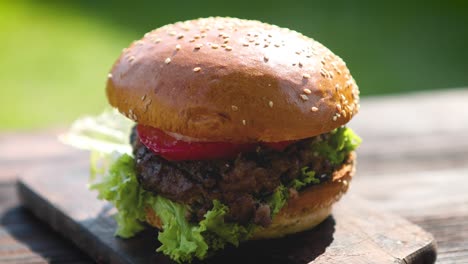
311, 206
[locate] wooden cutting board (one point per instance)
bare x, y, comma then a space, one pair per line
357, 232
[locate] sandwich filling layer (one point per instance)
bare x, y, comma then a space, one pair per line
206, 205
245, 183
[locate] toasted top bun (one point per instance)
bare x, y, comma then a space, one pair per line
227, 79
311, 206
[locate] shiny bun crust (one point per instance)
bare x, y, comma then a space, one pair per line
301, 213
227, 79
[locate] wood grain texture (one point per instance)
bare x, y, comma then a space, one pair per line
25, 239
355, 233
415, 143
413, 132
420, 194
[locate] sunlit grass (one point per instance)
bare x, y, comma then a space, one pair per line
54, 56
53, 65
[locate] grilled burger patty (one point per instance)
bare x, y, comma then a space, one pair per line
239, 183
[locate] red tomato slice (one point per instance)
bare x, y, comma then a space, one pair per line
171, 148
279, 146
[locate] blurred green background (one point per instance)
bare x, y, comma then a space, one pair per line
54, 56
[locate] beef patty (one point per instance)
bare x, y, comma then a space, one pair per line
239, 183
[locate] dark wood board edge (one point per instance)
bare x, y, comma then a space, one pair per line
47, 213
425, 255
101, 252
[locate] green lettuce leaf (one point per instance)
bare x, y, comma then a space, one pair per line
278, 199
106, 133
341, 141
280, 196
180, 240
306, 178
113, 176
120, 186
225, 232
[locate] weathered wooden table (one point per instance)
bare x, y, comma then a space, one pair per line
413, 162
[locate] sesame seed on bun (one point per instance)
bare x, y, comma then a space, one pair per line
227, 79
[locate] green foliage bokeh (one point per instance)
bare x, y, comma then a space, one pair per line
54, 56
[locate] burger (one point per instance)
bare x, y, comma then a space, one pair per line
239, 134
